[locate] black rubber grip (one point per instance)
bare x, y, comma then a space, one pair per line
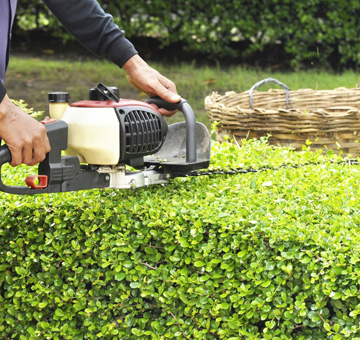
5, 155
159, 102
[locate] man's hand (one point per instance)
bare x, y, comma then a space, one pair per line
25, 136
146, 79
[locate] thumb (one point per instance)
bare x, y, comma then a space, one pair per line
166, 89
170, 96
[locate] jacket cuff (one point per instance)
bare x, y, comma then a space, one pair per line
2, 91
121, 50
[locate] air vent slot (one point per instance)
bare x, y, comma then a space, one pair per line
143, 132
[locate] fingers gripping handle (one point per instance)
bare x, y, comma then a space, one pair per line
5, 157
57, 134
190, 120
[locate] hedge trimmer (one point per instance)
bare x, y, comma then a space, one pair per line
92, 141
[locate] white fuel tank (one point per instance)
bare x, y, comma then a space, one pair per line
94, 135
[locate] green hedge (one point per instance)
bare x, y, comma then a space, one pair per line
265, 32
267, 255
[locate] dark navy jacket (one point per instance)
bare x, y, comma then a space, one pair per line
92, 27
7, 13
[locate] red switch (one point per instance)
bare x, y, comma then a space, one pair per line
37, 181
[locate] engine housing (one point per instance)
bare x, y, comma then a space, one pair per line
110, 133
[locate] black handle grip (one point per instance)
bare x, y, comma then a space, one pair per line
5, 155
164, 104
190, 120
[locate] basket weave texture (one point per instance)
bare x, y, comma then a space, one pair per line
330, 119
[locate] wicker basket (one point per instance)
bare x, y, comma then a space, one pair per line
329, 119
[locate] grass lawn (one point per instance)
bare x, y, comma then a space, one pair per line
31, 78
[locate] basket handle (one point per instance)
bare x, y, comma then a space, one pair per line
267, 80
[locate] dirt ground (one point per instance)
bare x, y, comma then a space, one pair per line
34, 90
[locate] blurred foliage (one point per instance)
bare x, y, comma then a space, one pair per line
292, 33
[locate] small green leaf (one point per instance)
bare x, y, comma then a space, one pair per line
327, 326
59, 313
335, 295
119, 276
270, 324
336, 327
43, 304
134, 284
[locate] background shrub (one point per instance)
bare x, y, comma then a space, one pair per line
271, 32
267, 255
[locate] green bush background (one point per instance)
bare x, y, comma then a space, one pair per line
265, 32
267, 255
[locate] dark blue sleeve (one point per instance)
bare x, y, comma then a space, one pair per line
93, 28
2, 91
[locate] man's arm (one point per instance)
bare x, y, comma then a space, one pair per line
95, 30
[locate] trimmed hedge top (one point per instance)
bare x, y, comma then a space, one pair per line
266, 255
